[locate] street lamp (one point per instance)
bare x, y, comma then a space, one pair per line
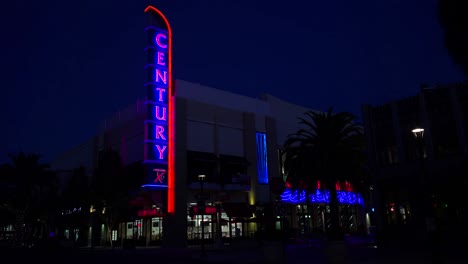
201, 208
418, 134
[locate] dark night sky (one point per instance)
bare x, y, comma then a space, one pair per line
67, 65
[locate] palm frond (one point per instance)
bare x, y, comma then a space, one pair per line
327, 144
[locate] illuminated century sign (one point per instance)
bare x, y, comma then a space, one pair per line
159, 125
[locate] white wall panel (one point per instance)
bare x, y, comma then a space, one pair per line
200, 136
201, 112
229, 118
260, 123
231, 141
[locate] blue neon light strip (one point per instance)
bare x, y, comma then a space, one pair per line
320, 196
262, 158
154, 186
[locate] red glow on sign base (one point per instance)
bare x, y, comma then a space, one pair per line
153, 212
209, 210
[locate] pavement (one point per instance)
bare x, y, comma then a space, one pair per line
356, 251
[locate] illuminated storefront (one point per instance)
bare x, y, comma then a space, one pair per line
351, 207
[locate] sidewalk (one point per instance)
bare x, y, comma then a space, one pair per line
245, 253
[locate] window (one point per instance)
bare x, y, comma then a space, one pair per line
233, 169
114, 235
202, 163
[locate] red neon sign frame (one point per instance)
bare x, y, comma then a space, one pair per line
209, 210
153, 212
171, 103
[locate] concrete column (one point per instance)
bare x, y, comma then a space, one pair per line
397, 133
427, 126
176, 224
459, 118
250, 152
148, 225
272, 139
378, 192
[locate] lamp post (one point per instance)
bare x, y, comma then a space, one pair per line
418, 134
201, 208
422, 216
91, 230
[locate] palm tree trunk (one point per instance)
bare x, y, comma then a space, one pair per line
309, 213
304, 223
335, 231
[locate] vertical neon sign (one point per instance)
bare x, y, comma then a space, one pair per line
159, 123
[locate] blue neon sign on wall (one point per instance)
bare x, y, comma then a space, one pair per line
262, 158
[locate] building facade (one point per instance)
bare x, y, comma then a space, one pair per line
419, 171
230, 139
209, 161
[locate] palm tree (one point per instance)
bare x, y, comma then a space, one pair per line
454, 23
328, 148
32, 190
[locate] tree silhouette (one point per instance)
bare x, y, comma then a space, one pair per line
31, 195
76, 190
328, 148
111, 190
453, 17
76, 195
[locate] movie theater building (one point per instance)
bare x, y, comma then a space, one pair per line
209, 159
231, 139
